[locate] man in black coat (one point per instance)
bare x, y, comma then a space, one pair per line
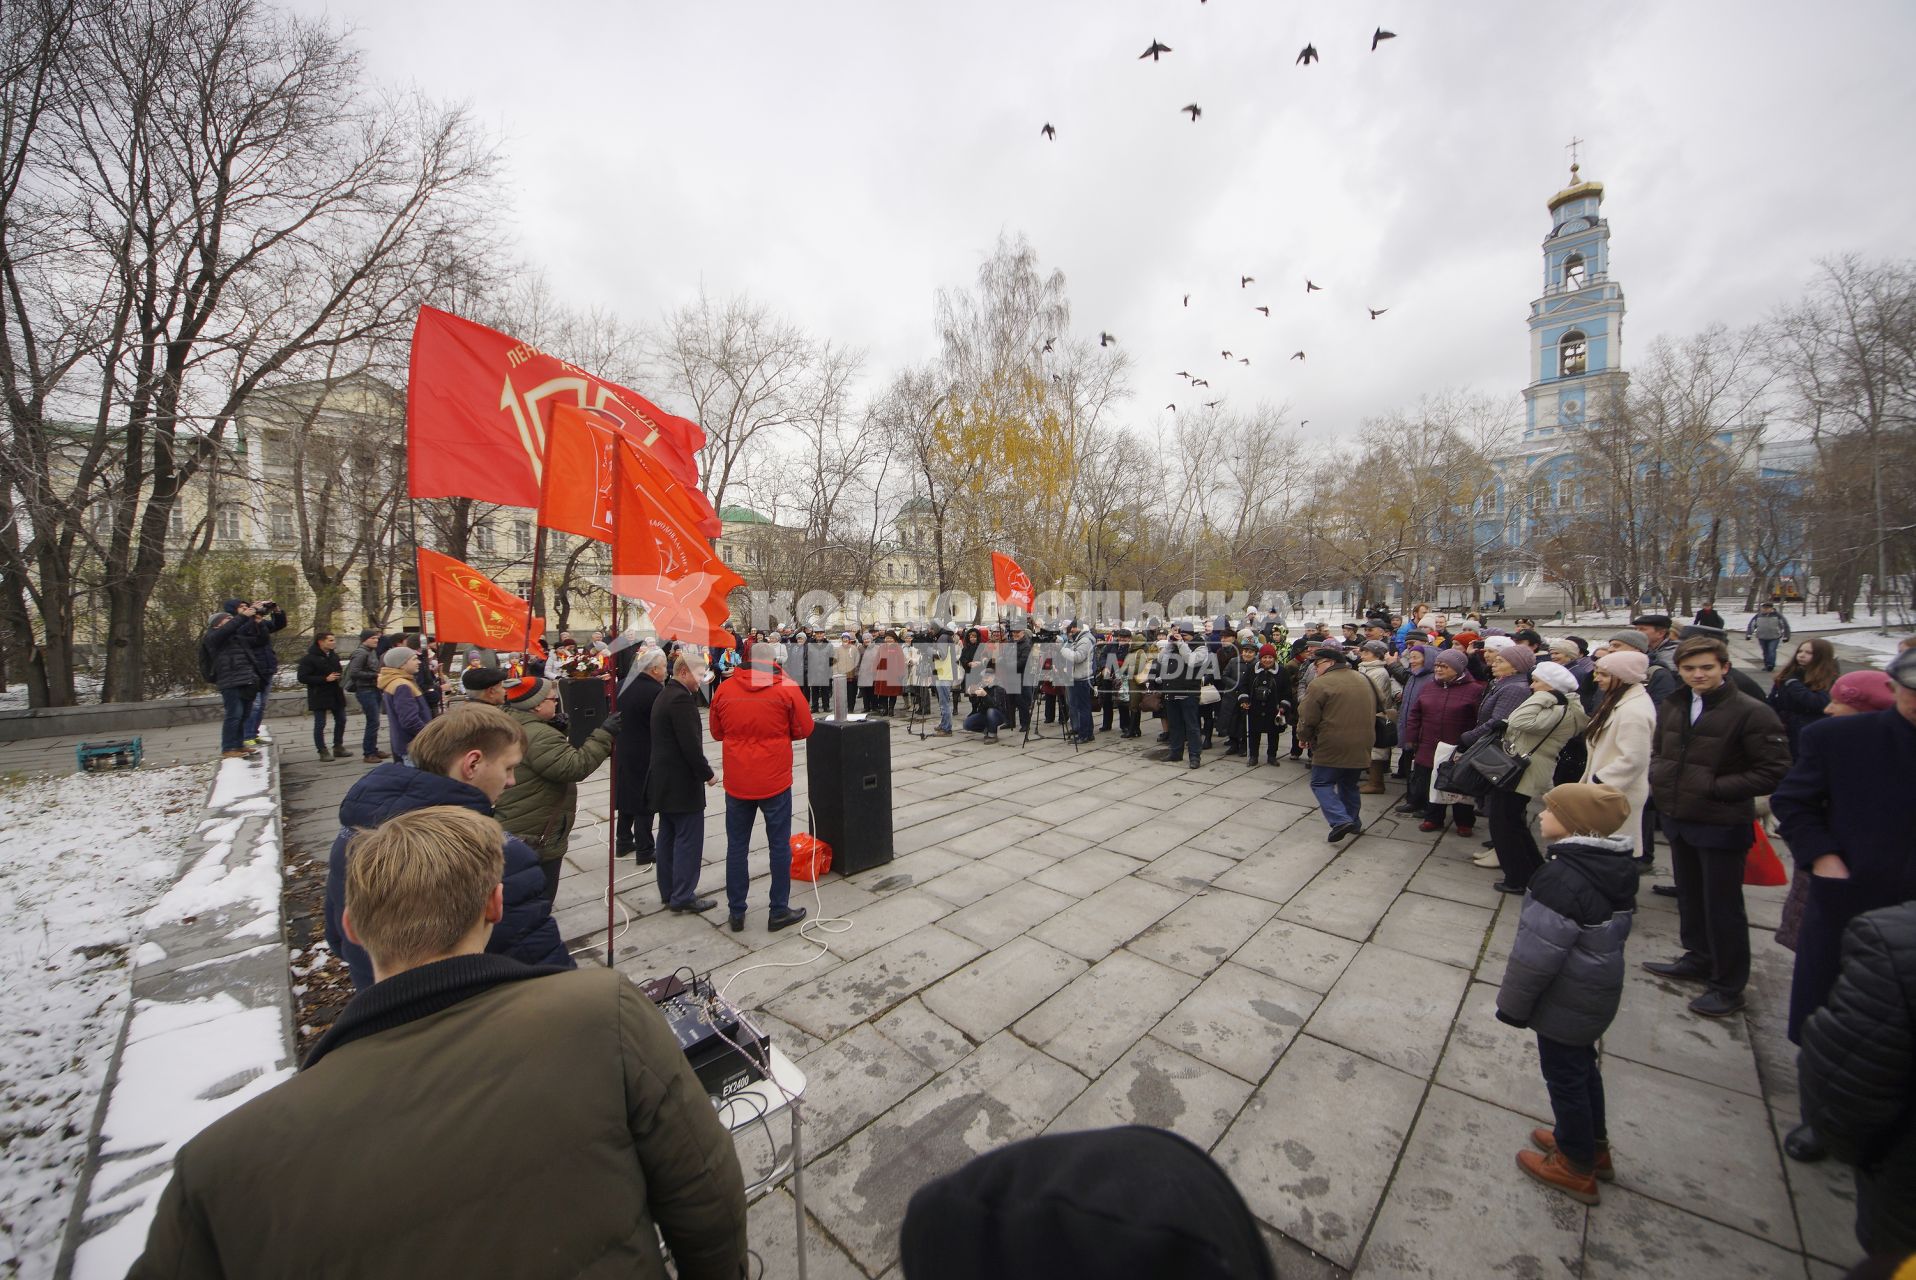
1857, 1073
226, 663
1715, 750
263, 619
637, 696
675, 782
319, 671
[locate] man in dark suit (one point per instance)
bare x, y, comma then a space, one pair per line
675, 782
637, 695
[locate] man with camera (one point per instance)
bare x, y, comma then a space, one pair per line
1078, 657
264, 617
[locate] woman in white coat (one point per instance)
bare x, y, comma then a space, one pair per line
1620, 734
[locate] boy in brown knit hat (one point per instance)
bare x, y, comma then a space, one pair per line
1564, 978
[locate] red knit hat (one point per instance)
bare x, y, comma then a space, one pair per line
526, 691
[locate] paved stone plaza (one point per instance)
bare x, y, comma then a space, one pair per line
1083, 939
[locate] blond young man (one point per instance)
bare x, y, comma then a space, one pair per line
467, 1115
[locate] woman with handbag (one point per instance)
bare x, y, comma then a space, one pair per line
1373, 666
1443, 712
1535, 732
1621, 733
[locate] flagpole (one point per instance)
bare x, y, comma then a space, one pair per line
612, 792
532, 587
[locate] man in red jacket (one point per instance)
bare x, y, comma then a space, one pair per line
755, 717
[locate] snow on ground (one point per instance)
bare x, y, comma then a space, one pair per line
1880, 648
81, 858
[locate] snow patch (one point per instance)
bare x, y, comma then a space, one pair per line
82, 857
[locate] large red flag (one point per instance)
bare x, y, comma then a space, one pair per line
576, 491
466, 607
658, 559
1011, 584
479, 404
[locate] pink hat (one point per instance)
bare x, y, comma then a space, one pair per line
1864, 691
1626, 665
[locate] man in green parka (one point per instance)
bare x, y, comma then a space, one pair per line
542, 804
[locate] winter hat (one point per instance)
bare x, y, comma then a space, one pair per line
1464, 639
230, 606
1588, 808
1566, 647
1267, 651
1377, 647
1635, 639
1864, 691
477, 678
398, 656
527, 691
1626, 665
1130, 1201
1661, 621
1902, 668
1519, 657
367, 633
1497, 643
1454, 659
1554, 674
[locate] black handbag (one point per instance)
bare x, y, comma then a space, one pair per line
1500, 767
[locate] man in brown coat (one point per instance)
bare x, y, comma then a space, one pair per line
466, 1115
1337, 723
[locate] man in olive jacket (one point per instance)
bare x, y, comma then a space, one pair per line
1337, 722
394, 1151
542, 803
1716, 749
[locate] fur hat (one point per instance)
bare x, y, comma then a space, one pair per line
1588, 808
1554, 674
398, 656
1626, 665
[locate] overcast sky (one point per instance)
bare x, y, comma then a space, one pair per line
842, 159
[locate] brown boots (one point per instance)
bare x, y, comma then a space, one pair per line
1373, 784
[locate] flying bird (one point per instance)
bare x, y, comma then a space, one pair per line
1173, 408
1187, 299
1265, 310
1212, 404
1308, 55
1105, 339
1244, 360
1297, 355
1184, 374
1376, 311
1157, 47
1047, 346
1312, 288
1200, 382
1381, 35
1050, 134
1305, 423
1195, 111
1245, 282
1226, 355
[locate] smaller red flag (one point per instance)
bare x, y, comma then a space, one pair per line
466, 607
1010, 583
658, 558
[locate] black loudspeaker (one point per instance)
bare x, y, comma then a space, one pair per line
848, 771
585, 704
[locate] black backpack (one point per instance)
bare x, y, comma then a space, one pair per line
207, 672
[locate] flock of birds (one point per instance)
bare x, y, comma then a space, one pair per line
1156, 51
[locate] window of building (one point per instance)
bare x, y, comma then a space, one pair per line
522, 537
482, 539
176, 520
1573, 271
280, 523
1571, 354
227, 524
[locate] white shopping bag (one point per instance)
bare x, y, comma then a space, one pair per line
1445, 750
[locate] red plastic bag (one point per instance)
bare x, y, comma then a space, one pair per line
1762, 866
811, 857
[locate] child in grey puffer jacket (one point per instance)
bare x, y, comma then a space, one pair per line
1564, 978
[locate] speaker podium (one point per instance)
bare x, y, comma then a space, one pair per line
586, 703
848, 773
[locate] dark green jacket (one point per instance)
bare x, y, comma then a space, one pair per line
472, 1117
543, 801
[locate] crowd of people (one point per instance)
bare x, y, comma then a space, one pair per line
1582, 754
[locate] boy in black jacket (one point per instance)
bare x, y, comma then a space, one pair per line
1564, 978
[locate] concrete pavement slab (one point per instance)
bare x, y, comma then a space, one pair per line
962, 886
1394, 1007
771, 1231
1459, 1206
1239, 1020
851, 1081
1493, 1060
1103, 1012
1083, 874
1298, 953
1197, 937
1109, 918
1634, 1236
1435, 928
996, 919
1824, 1194
1314, 1148
1351, 895
862, 989
1001, 986
1157, 1085
1279, 870
924, 1035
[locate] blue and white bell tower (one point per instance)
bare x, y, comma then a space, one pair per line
1576, 326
